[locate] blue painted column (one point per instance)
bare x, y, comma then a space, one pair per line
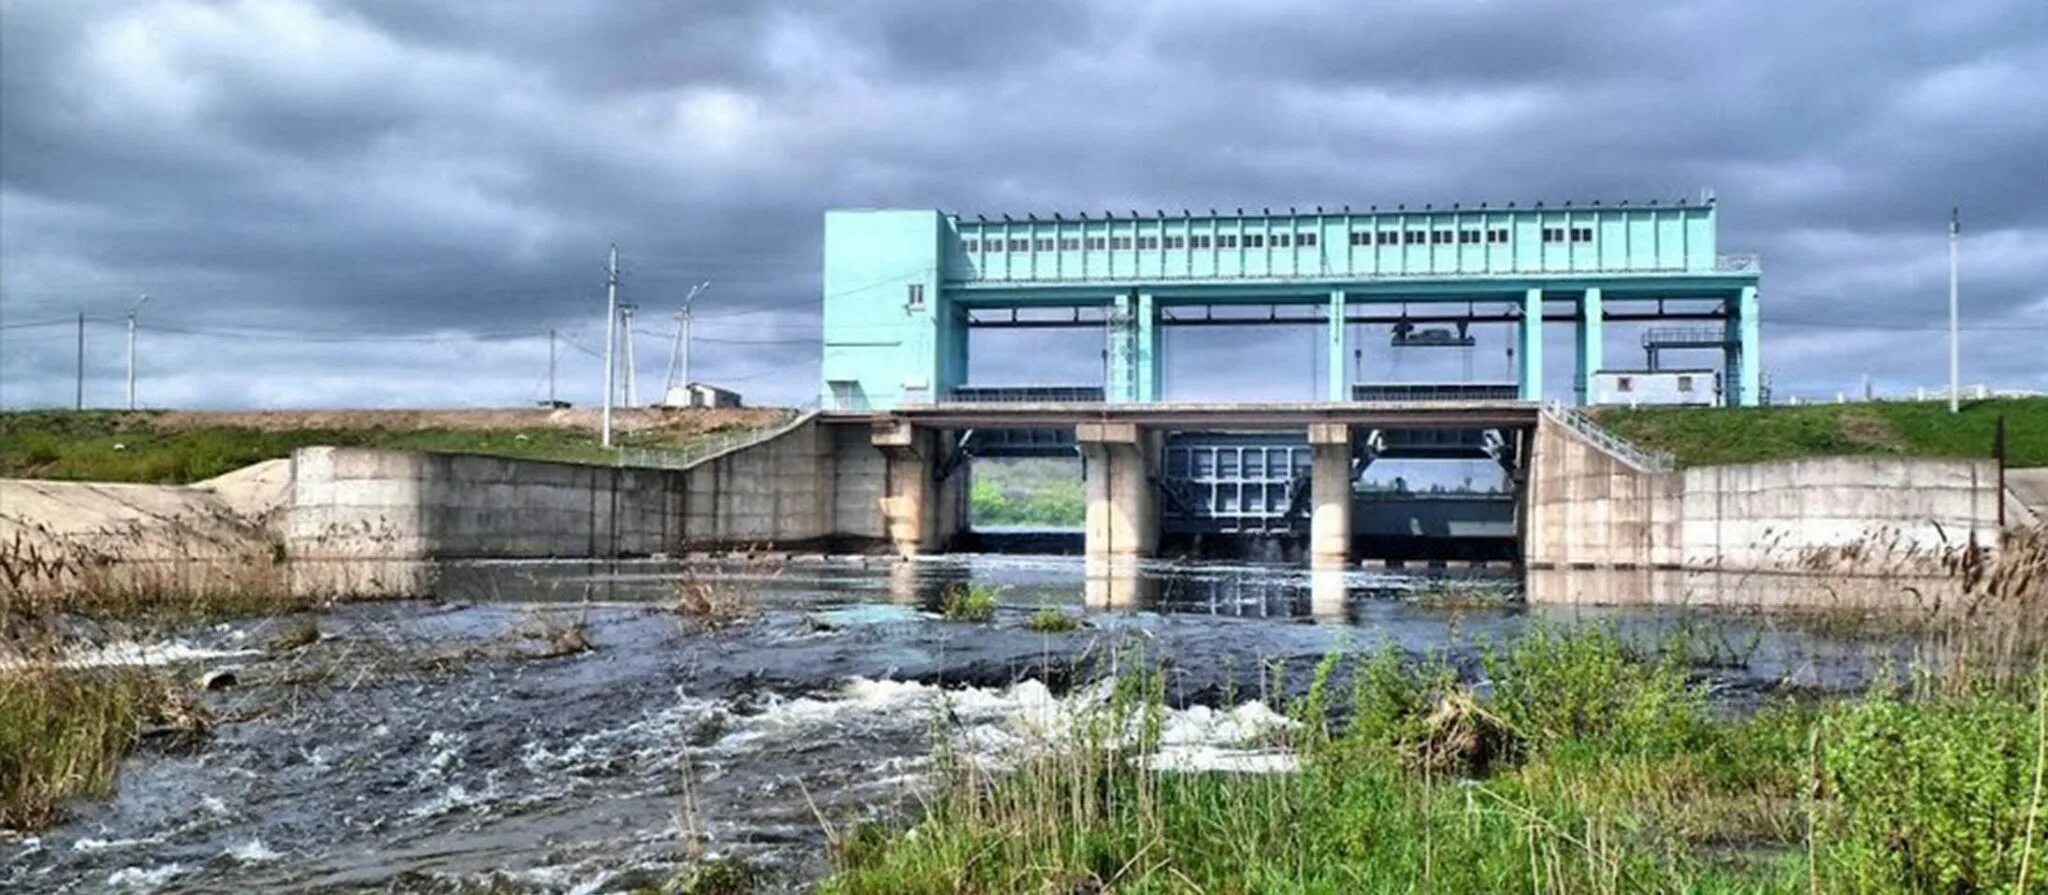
1744, 366
1592, 344
1531, 345
1339, 389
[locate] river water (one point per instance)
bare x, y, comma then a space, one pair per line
446, 746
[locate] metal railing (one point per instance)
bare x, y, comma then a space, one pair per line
1026, 394
1685, 337
703, 449
1738, 262
1435, 392
1572, 418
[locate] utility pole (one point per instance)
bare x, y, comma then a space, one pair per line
1955, 379
611, 333
551, 370
680, 351
131, 347
632, 366
79, 402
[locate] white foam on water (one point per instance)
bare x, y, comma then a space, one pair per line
253, 851
89, 845
135, 653
145, 878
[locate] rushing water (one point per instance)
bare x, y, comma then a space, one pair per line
438, 746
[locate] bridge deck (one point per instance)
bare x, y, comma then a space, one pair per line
1212, 415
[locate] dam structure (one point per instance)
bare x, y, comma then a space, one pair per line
905, 288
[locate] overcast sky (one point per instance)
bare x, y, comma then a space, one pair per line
391, 203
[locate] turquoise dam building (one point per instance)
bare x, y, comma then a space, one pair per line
903, 287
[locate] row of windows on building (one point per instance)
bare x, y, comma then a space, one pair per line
1490, 236
1145, 243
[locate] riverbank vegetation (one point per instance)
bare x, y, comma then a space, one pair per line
64, 731
176, 448
1036, 493
1707, 436
1587, 765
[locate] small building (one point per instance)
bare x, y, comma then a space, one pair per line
700, 394
1630, 388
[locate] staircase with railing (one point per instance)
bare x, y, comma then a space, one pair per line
1583, 425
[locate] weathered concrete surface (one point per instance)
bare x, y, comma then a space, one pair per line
1122, 522
1846, 515
918, 512
1329, 525
2026, 497
1587, 507
62, 535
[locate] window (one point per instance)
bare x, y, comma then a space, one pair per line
1097, 243
1120, 243
1582, 234
1624, 383
916, 300
1468, 237
972, 246
1358, 238
1020, 245
1389, 237
1226, 241
1148, 242
1439, 237
1497, 236
1254, 241
1412, 237
1198, 242
1176, 242
1044, 245
1279, 240
1070, 244
1685, 383
1553, 234
1305, 240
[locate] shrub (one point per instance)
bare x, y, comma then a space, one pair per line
1052, 620
969, 603
1934, 796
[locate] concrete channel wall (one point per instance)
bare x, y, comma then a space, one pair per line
1827, 521
368, 521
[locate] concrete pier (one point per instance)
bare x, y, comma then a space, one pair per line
920, 513
1329, 531
1123, 516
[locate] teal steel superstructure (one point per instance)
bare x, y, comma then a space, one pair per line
901, 285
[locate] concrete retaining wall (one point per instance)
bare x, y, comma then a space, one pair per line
1587, 507
1859, 522
1859, 515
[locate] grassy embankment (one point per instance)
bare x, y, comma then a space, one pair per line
111, 446
1041, 493
1703, 437
1587, 768
1586, 764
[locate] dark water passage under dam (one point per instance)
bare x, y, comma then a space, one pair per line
449, 745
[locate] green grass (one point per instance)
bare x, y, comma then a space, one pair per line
63, 734
112, 446
969, 603
1590, 767
1709, 436
1052, 620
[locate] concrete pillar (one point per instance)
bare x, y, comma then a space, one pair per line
1339, 389
1531, 345
1122, 513
1329, 523
1592, 344
1743, 367
919, 514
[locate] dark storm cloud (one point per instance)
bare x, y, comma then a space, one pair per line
449, 173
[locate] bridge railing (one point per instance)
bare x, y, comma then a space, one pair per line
1578, 421
1026, 394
